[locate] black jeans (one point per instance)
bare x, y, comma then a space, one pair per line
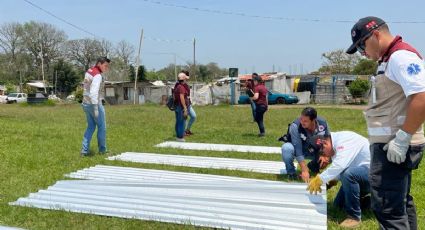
259, 115
390, 183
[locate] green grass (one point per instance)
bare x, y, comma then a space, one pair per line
40, 144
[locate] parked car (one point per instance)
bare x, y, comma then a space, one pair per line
16, 98
274, 98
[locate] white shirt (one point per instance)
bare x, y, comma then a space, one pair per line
408, 70
351, 150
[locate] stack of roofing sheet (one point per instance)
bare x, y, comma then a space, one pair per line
204, 200
220, 147
273, 167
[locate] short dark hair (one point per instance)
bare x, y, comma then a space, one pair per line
102, 60
255, 74
309, 112
185, 72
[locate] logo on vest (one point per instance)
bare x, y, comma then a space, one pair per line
321, 128
413, 69
303, 137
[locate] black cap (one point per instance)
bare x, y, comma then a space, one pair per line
363, 28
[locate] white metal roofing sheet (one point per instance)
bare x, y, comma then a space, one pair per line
272, 167
198, 199
220, 147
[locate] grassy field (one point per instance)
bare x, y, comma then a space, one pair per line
40, 144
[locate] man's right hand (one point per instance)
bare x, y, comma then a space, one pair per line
305, 175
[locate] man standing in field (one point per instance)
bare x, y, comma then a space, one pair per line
394, 117
93, 107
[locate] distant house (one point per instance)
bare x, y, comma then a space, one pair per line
122, 92
40, 86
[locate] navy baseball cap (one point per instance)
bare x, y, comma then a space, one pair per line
362, 29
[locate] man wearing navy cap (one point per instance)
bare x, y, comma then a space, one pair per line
394, 117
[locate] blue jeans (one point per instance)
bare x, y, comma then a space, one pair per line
288, 156
253, 109
91, 126
192, 119
354, 185
180, 122
259, 117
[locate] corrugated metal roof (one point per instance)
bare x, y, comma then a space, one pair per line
204, 200
220, 147
272, 167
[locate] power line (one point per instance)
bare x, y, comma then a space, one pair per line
266, 17
61, 19
94, 35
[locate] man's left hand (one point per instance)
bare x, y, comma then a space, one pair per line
397, 147
314, 185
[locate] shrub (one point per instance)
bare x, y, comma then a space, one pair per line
358, 88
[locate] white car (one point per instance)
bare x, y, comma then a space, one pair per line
16, 98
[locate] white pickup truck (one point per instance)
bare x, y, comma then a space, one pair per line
16, 98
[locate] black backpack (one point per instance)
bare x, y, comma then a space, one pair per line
286, 137
170, 101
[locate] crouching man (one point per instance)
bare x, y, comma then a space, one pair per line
350, 164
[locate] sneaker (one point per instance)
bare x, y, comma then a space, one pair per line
188, 132
84, 154
350, 222
104, 153
261, 134
180, 139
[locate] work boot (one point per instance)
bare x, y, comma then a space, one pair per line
350, 222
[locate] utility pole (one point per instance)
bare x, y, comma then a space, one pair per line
175, 67
137, 67
42, 65
194, 59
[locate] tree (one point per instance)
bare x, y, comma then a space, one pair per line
141, 74
105, 48
338, 62
43, 41
124, 51
358, 88
67, 79
365, 67
11, 39
83, 52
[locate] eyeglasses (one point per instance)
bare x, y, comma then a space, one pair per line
361, 47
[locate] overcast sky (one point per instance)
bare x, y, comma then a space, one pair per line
252, 35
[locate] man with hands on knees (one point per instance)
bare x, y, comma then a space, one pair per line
350, 164
394, 118
93, 95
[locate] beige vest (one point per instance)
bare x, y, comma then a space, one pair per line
386, 111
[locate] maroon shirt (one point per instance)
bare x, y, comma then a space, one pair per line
187, 87
180, 89
262, 94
